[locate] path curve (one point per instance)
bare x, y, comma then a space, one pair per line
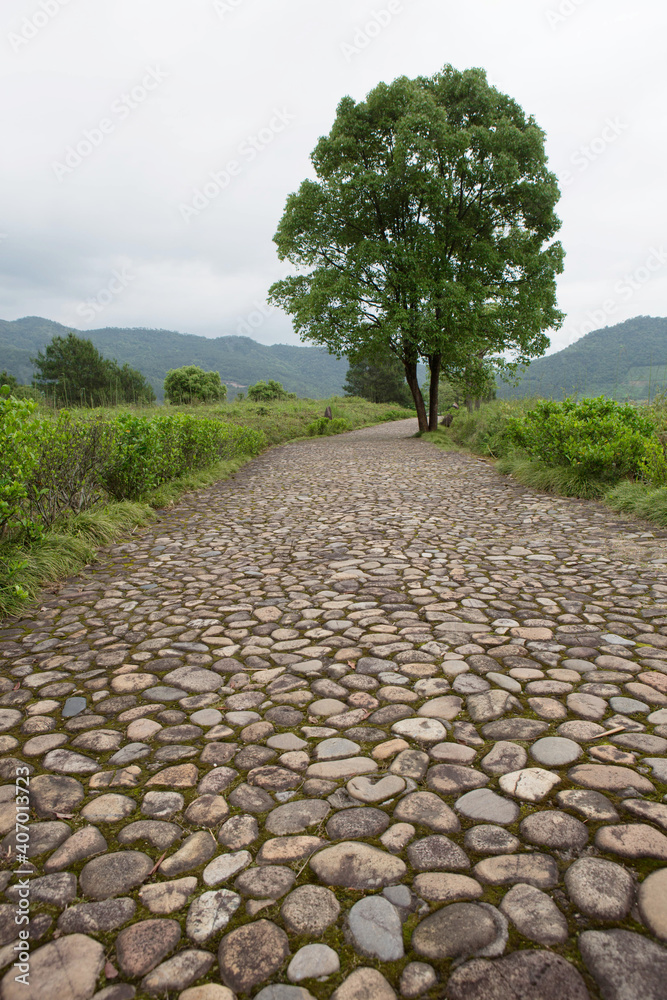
337, 723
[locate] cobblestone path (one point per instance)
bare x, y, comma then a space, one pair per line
336, 728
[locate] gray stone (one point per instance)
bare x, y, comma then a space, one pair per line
268, 882
225, 866
73, 706
532, 784
177, 972
411, 764
93, 918
276, 992
210, 913
485, 839
514, 729
504, 757
310, 909
57, 890
108, 809
483, 804
507, 869
295, 817
417, 978
356, 823
142, 946
313, 961
333, 749
437, 853
371, 790
51, 794
239, 831
535, 915
420, 730
375, 929
451, 779
154, 831
625, 965
167, 897
251, 954
129, 753
555, 751
162, 805
524, 975
600, 889
454, 931
194, 851
592, 805
364, 984
554, 829
652, 901
67, 969
114, 874
629, 706
427, 809
357, 866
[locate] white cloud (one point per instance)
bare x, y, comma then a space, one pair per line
228, 68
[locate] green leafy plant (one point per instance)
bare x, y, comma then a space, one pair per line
324, 426
269, 391
192, 384
598, 437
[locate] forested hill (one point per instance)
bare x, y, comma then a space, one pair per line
627, 361
308, 371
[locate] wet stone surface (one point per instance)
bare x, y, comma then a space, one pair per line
365, 720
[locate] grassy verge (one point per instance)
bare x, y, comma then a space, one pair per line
72, 543
288, 420
483, 432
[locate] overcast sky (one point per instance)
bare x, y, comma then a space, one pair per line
159, 95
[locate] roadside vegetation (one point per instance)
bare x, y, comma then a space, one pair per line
594, 448
74, 479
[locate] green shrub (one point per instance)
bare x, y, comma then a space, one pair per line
19, 435
599, 438
192, 384
326, 426
151, 451
266, 391
68, 477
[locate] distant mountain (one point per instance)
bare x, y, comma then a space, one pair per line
624, 362
308, 371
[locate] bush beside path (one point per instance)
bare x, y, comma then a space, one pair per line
366, 720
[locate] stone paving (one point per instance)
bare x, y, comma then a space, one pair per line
337, 728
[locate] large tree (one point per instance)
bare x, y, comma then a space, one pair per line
429, 231
377, 377
72, 372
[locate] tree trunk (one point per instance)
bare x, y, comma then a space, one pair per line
411, 379
434, 363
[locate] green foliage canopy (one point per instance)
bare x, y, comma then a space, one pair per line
71, 371
429, 232
192, 384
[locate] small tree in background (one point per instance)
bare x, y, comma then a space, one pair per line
192, 384
72, 372
378, 377
267, 391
